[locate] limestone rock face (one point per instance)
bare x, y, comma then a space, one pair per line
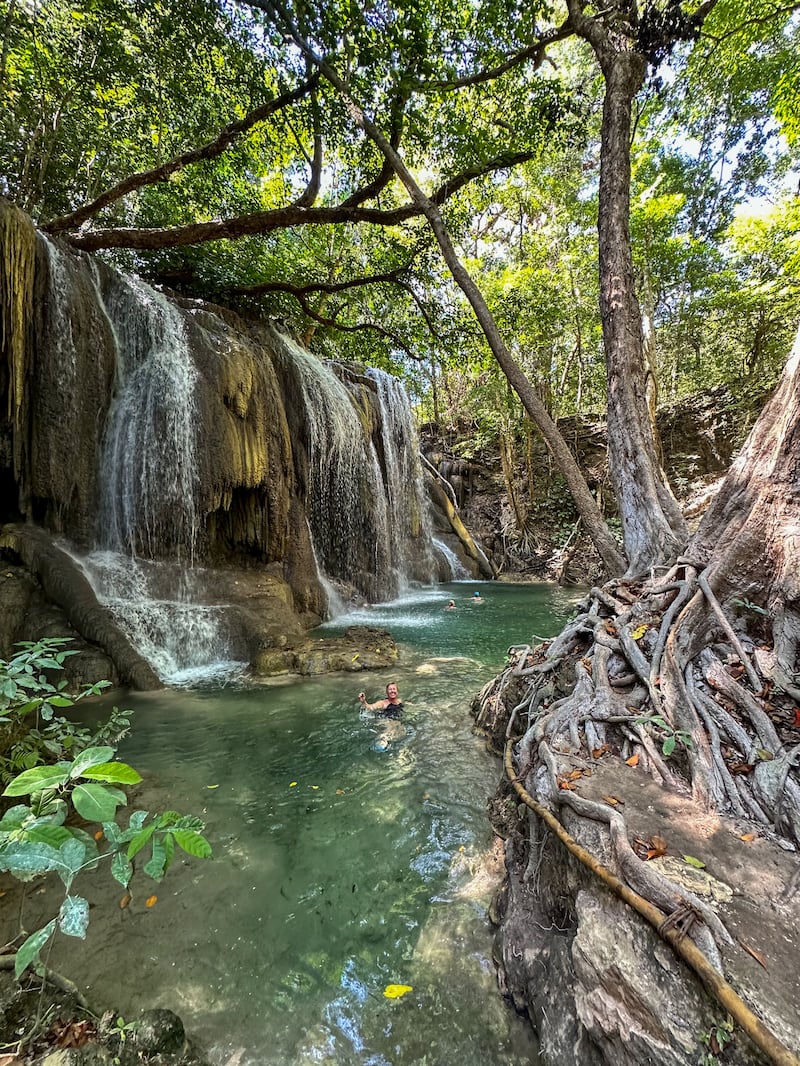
179, 436
599, 985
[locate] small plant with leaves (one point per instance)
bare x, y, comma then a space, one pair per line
64, 775
670, 738
32, 728
36, 837
716, 1040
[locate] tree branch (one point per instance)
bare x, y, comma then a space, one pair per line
329, 287
536, 51
157, 175
334, 323
261, 222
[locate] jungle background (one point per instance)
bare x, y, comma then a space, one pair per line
612, 189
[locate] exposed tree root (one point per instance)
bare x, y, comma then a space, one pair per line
672, 930
694, 692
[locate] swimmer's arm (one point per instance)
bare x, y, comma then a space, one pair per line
371, 706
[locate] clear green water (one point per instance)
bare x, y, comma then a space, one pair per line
367, 871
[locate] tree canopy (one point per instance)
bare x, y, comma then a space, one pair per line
207, 149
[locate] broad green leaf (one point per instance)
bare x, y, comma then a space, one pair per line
154, 867
54, 835
97, 803
189, 821
37, 779
137, 819
26, 859
668, 746
192, 843
118, 772
692, 861
90, 757
15, 818
169, 850
121, 869
29, 950
71, 859
73, 918
140, 840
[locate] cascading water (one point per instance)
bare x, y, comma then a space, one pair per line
149, 453
147, 486
409, 528
458, 572
368, 519
213, 442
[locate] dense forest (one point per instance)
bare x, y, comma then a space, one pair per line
525, 212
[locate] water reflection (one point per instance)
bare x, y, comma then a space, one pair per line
338, 870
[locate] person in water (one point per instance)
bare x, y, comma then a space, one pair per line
451, 606
391, 708
477, 598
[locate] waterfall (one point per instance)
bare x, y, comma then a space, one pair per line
458, 572
347, 506
409, 528
368, 519
147, 478
196, 440
149, 453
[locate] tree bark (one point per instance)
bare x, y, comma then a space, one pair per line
653, 528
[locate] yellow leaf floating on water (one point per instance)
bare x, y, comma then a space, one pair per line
356, 656
151, 901
292, 784
315, 787
639, 632
396, 991
212, 786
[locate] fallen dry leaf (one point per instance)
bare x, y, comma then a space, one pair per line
657, 847
72, 1034
741, 768
760, 959
565, 783
614, 801
598, 752
748, 837
151, 901
123, 903
634, 760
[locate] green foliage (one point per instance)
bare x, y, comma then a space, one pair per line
716, 1039
32, 729
40, 836
670, 737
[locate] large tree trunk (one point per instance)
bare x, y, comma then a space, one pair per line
691, 679
653, 528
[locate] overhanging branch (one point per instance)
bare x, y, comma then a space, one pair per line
158, 175
263, 222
